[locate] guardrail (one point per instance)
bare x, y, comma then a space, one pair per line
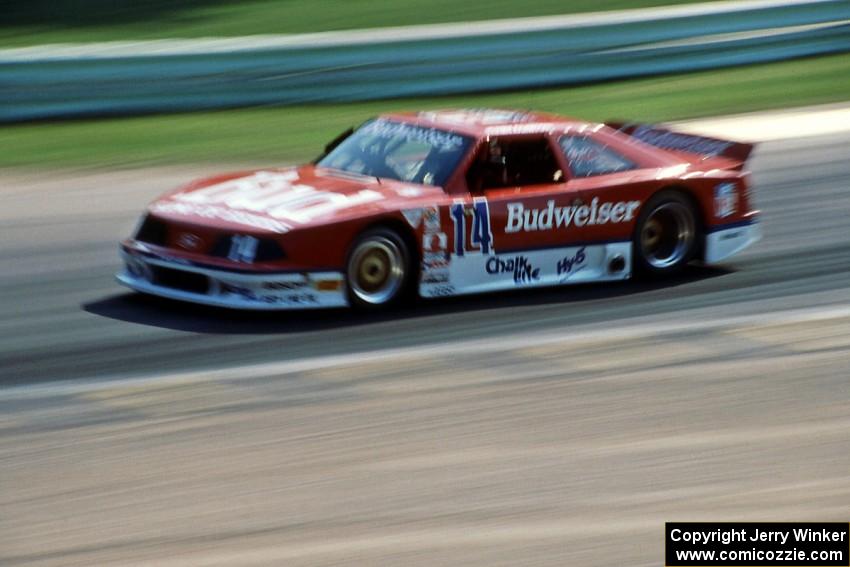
45, 87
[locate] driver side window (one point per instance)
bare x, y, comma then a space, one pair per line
517, 162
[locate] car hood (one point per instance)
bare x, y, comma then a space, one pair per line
280, 200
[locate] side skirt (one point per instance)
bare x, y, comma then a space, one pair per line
478, 273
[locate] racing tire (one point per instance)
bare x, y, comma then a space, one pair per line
667, 234
378, 270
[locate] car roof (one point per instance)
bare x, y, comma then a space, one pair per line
487, 121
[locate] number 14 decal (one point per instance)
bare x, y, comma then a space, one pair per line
482, 237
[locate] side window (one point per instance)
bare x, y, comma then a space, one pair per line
588, 157
514, 163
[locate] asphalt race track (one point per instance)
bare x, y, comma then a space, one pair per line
499, 430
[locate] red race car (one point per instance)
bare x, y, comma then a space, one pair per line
446, 203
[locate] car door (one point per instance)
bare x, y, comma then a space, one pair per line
519, 219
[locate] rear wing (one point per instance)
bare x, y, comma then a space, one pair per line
695, 148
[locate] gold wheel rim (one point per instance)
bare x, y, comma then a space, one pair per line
376, 270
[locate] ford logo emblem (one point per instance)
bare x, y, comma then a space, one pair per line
189, 241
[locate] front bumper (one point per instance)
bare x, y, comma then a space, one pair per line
179, 279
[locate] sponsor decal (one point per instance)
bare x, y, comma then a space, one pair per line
477, 115
731, 235
552, 217
286, 286
684, 142
435, 242
435, 262
431, 215
569, 265
189, 241
413, 217
445, 141
518, 266
243, 248
222, 214
435, 267
276, 195
435, 257
725, 200
436, 276
287, 299
230, 288
441, 290
299, 299
511, 129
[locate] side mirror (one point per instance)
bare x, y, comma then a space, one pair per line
334, 143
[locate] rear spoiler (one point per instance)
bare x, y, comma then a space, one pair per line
697, 148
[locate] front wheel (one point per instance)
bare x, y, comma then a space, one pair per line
666, 234
378, 269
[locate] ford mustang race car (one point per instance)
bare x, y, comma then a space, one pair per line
445, 203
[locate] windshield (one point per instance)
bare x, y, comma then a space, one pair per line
396, 150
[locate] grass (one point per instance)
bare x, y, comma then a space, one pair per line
293, 134
31, 22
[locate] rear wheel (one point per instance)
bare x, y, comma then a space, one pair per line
378, 269
666, 235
